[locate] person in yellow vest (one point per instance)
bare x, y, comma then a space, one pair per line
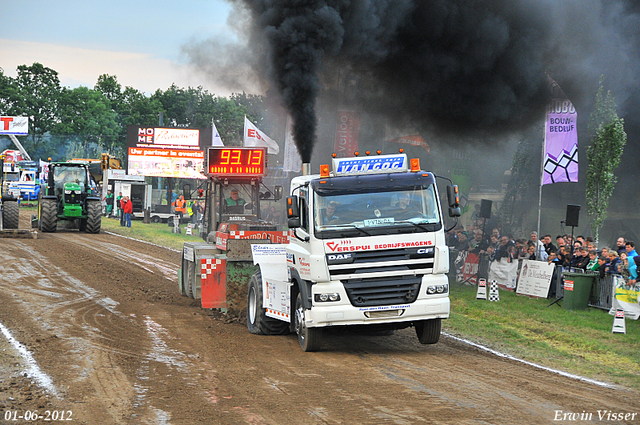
180, 206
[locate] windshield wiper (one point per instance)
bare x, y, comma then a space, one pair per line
419, 226
335, 226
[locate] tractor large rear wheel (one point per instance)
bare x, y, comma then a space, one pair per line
48, 215
94, 217
10, 214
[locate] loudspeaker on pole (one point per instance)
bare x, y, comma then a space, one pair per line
618, 323
573, 215
482, 289
485, 208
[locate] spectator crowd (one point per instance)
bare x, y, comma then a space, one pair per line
575, 254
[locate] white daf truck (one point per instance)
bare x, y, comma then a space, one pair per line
366, 250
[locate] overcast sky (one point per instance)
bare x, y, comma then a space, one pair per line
139, 41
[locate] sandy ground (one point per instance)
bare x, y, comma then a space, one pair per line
107, 339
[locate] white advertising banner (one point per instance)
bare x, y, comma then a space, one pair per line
254, 138
166, 163
14, 125
626, 297
535, 278
504, 272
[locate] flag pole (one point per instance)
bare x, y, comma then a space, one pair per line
544, 144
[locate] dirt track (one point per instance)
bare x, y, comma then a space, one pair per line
102, 318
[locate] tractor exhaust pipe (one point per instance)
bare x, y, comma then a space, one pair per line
306, 168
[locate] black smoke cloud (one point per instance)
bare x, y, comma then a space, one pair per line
449, 66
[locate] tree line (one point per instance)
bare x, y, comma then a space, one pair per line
84, 122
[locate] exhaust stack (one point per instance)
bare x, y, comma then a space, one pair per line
306, 168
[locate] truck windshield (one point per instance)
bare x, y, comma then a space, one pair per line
407, 209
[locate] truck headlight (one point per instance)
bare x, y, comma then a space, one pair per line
437, 289
67, 192
329, 297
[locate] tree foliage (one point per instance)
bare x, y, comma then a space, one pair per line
604, 155
82, 122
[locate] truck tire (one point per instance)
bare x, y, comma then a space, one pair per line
94, 217
10, 214
257, 321
428, 331
155, 219
310, 339
48, 210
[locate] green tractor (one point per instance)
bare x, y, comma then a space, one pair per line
68, 195
9, 209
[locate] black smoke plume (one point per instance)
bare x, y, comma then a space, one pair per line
464, 67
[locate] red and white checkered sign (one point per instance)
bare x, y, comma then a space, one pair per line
207, 266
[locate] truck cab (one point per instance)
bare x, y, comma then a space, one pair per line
367, 250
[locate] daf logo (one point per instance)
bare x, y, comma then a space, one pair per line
333, 257
424, 251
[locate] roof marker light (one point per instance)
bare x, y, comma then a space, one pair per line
324, 170
415, 165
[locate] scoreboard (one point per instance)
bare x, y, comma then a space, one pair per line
236, 162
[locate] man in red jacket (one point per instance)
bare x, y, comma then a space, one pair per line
128, 210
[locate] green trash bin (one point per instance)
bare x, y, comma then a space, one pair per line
577, 290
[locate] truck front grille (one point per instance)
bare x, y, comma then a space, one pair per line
382, 291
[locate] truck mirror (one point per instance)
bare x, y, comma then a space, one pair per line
452, 196
293, 208
277, 193
293, 223
186, 191
454, 212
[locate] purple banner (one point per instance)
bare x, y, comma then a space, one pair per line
560, 139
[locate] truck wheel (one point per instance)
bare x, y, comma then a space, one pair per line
257, 321
428, 331
310, 339
48, 215
94, 217
10, 214
155, 219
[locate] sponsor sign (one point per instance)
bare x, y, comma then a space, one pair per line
167, 152
347, 131
470, 268
346, 245
14, 125
535, 278
370, 165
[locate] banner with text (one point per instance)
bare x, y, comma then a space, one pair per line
625, 297
347, 131
253, 137
14, 125
560, 139
167, 152
414, 140
535, 278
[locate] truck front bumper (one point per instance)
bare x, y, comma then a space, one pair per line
343, 313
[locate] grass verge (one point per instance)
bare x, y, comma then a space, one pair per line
579, 342
158, 233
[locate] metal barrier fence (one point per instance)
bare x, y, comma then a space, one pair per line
601, 292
